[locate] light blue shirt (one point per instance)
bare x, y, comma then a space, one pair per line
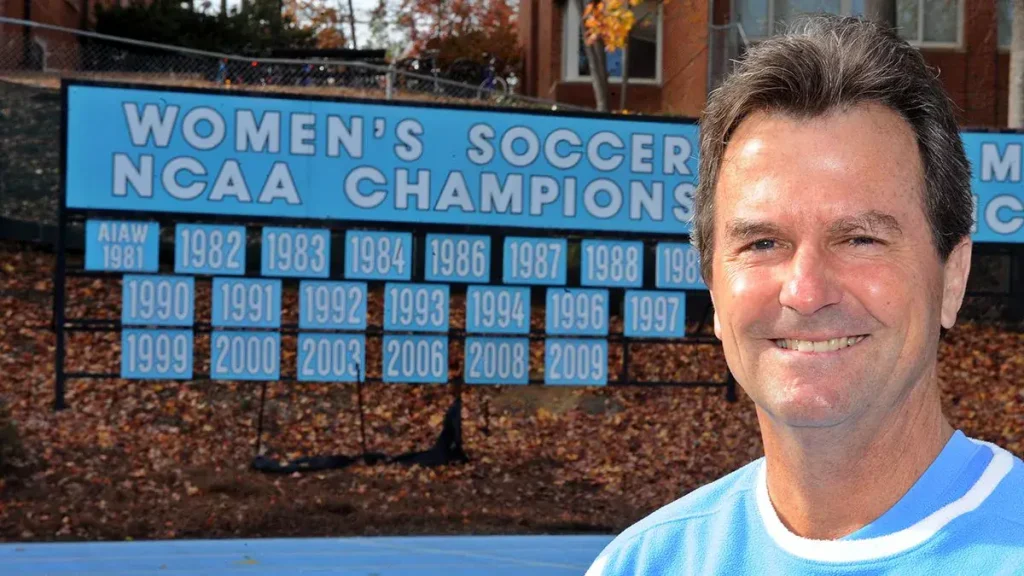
964, 516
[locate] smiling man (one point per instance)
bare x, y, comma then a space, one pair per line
833, 220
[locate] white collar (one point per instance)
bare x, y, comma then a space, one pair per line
837, 551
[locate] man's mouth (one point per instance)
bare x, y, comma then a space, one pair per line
830, 345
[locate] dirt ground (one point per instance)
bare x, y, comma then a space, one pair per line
155, 460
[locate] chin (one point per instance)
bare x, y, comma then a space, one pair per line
805, 406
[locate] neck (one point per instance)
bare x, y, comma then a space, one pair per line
826, 483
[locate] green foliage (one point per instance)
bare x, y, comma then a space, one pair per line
258, 28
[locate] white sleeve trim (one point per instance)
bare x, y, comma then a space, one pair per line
838, 551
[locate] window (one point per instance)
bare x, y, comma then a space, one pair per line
922, 22
644, 46
930, 22
1005, 23
761, 18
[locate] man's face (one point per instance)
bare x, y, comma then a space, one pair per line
828, 290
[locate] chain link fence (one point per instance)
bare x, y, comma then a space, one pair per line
35, 57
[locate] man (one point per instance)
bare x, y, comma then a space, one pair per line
833, 219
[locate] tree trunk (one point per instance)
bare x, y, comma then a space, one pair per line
1015, 108
596, 61
881, 10
224, 7
625, 75
352, 23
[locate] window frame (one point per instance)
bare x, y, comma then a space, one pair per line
571, 39
845, 8
999, 47
926, 44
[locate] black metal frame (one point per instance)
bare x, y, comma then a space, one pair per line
62, 325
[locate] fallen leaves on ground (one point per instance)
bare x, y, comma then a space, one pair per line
151, 460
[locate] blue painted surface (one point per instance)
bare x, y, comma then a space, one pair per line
122, 246
500, 360
214, 153
497, 310
612, 263
331, 357
576, 311
156, 354
534, 260
383, 556
245, 355
209, 249
458, 258
416, 359
295, 252
575, 361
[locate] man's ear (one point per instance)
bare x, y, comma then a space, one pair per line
714, 310
955, 273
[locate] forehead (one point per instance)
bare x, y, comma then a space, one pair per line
852, 161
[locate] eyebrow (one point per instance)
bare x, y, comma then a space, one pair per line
872, 221
740, 229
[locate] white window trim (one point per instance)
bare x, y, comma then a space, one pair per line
42, 43
959, 29
571, 41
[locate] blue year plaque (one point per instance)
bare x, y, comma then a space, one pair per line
157, 300
458, 258
378, 255
329, 305
296, 253
497, 360
577, 311
332, 357
678, 267
498, 310
655, 314
122, 246
534, 261
209, 249
416, 307
416, 359
241, 355
576, 361
612, 263
246, 303
156, 354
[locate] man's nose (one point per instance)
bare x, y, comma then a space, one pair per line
809, 283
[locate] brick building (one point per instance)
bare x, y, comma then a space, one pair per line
45, 46
682, 48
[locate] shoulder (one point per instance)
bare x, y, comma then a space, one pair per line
1002, 485
648, 545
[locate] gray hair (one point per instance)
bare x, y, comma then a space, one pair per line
825, 63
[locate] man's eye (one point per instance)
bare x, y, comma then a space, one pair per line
862, 241
764, 244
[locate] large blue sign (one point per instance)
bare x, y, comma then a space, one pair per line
147, 150
996, 186
150, 150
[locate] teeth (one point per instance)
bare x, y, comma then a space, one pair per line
819, 346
